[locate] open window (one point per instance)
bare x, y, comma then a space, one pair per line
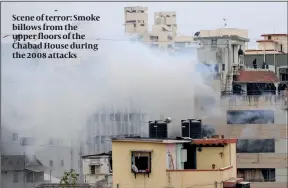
141, 162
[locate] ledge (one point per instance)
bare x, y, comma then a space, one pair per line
202, 170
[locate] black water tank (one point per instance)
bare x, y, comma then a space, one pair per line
158, 129
192, 128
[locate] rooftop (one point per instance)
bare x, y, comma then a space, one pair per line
281, 34
257, 76
97, 155
208, 141
231, 37
21, 162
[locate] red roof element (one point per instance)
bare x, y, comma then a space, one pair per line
214, 141
267, 41
257, 77
264, 35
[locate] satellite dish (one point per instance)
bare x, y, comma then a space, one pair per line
168, 119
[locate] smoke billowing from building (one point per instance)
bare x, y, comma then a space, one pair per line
42, 99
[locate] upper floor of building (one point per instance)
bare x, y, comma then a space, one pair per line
271, 44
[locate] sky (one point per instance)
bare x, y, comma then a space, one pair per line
257, 17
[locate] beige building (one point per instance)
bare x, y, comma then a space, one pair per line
136, 20
270, 44
164, 30
159, 163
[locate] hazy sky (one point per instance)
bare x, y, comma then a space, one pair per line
257, 17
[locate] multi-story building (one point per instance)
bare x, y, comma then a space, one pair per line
136, 20
271, 44
251, 108
146, 162
164, 30
223, 48
103, 125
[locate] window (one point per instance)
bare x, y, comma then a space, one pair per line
255, 146
214, 43
250, 117
62, 162
15, 177
141, 162
94, 169
257, 175
269, 37
29, 177
51, 163
14, 136
103, 118
223, 67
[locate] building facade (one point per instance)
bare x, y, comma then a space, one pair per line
139, 162
136, 20
20, 171
271, 44
97, 169
54, 153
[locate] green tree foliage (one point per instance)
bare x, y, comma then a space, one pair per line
69, 179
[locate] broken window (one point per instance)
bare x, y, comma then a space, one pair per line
15, 177
94, 169
141, 162
250, 117
255, 146
257, 175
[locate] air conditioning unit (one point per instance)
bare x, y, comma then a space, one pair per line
243, 185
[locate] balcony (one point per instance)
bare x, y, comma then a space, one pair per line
203, 178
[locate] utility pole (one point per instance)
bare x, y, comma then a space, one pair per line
81, 164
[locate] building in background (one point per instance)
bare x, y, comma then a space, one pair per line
53, 153
174, 163
97, 169
164, 30
102, 126
20, 171
271, 44
136, 20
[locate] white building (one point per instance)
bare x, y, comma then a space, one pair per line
97, 169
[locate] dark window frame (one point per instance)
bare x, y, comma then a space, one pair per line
269, 174
145, 154
255, 146
256, 118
